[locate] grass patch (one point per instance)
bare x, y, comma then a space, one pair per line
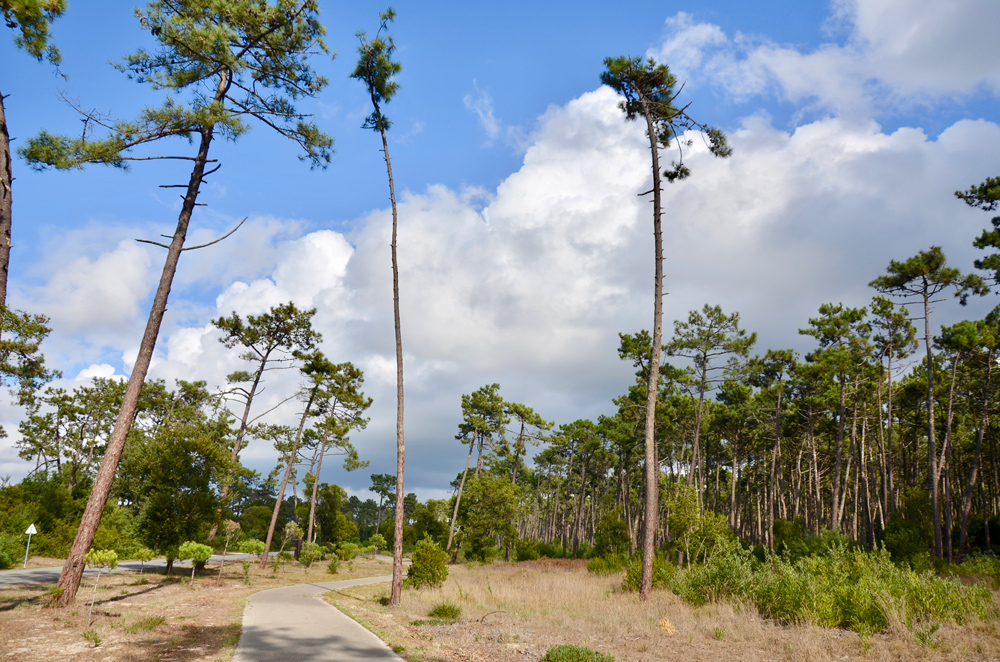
446, 610
567, 653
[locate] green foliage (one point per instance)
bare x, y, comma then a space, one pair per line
333, 567
986, 566
446, 610
663, 573
101, 558
252, 546
429, 567
858, 590
92, 637
648, 88
309, 553
348, 551
567, 653
526, 550
377, 541
611, 535
607, 565
376, 70
197, 552
488, 514
235, 60
31, 18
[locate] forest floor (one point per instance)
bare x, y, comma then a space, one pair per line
168, 618
515, 612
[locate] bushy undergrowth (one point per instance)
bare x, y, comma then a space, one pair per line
861, 591
985, 566
663, 573
608, 565
567, 653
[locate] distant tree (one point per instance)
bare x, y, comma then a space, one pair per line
234, 61
31, 20
483, 416
923, 277
648, 88
274, 339
530, 427
986, 196
837, 329
384, 486
488, 515
708, 338
895, 338
376, 69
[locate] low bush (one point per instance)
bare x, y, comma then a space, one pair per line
429, 567
446, 610
309, 553
567, 653
526, 550
333, 567
252, 546
663, 573
609, 565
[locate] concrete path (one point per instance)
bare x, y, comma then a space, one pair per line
294, 623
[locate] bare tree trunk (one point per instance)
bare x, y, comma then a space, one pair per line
652, 384
72, 572
6, 206
284, 481
963, 536
458, 497
315, 490
932, 470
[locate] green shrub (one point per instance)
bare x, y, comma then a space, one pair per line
347, 551
378, 542
526, 550
548, 549
663, 573
252, 546
853, 589
982, 565
11, 549
446, 610
310, 552
333, 567
429, 567
195, 551
575, 654
610, 565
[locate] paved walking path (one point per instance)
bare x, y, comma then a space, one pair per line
294, 623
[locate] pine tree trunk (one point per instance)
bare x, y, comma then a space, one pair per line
652, 385
6, 206
315, 490
458, 497
284, 481
72, 572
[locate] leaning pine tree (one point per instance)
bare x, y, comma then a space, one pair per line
649, 94
225, 63
376, 70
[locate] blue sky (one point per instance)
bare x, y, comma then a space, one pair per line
523, 249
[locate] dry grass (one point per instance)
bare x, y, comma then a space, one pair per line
163, 618
517, 611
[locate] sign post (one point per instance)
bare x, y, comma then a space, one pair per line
31, 530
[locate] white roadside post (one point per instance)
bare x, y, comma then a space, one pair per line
31, 530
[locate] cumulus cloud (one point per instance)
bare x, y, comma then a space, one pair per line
897, 52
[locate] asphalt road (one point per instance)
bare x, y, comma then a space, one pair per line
19, 576
294, 623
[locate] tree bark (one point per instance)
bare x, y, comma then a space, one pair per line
652, 466
315, 490
72, 572
458, 497
963, 536
6, 206
284, 481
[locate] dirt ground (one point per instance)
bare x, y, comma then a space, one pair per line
515, 612
155, 618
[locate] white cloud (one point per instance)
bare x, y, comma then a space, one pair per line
898, 53
97, 370
481, 104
